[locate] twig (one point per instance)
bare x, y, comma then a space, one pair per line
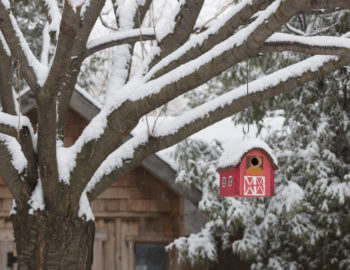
153, 21
106, 25
139, 21
216, 16
159, 114
19, 99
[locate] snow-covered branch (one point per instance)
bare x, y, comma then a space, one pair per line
325, 45
34, 72
124, 37
177, 33
4, 46
206, 40
9, 124
21, 133
54, 15
12, 165
132, 152
146, 96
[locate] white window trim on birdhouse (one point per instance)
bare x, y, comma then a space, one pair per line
224, 181
230, 181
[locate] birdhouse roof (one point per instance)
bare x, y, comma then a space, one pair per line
234, 152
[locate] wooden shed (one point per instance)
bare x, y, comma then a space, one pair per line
135, 218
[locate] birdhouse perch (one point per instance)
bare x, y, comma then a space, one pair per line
247, 170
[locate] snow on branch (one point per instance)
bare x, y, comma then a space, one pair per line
117, 158
180, 127
224, 103
140, 90
118, 38
18, 160
12, 164
54, 15
146, 95
198, 39
197, 247
325, 45
78, 4
9, 124
35, 73
12, 120
4, 44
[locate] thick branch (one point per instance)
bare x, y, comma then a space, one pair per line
9, 127
122, 58
8, 172
185, 22
53, 14
209, 113
206, 40
325, 45
6, 95
32, 69
66, 49
73, 54
330, 4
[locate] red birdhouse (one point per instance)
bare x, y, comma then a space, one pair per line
247, 170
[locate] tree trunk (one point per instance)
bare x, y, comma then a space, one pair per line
55, 241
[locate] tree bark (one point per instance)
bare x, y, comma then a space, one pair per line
55, 241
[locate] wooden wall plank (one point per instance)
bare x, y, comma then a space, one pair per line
115, 205
149, 206
121, 193
109, 247
118, 243
98, 256
5, 193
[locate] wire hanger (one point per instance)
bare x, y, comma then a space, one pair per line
245, 132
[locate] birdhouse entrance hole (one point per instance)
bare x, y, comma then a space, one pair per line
254, 161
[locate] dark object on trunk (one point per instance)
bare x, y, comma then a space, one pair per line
11, 259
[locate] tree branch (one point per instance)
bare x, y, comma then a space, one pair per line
131, 154
34, 72
6, 95
325, 45
10, 167
75, 57
122, 55
9, 126
214, 35
330, 5
54, 15
75, 27
119, 38
9, 120
185, 21
160, 91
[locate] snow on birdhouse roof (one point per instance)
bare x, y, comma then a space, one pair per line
234, 152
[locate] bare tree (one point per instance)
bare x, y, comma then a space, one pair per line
37, 167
